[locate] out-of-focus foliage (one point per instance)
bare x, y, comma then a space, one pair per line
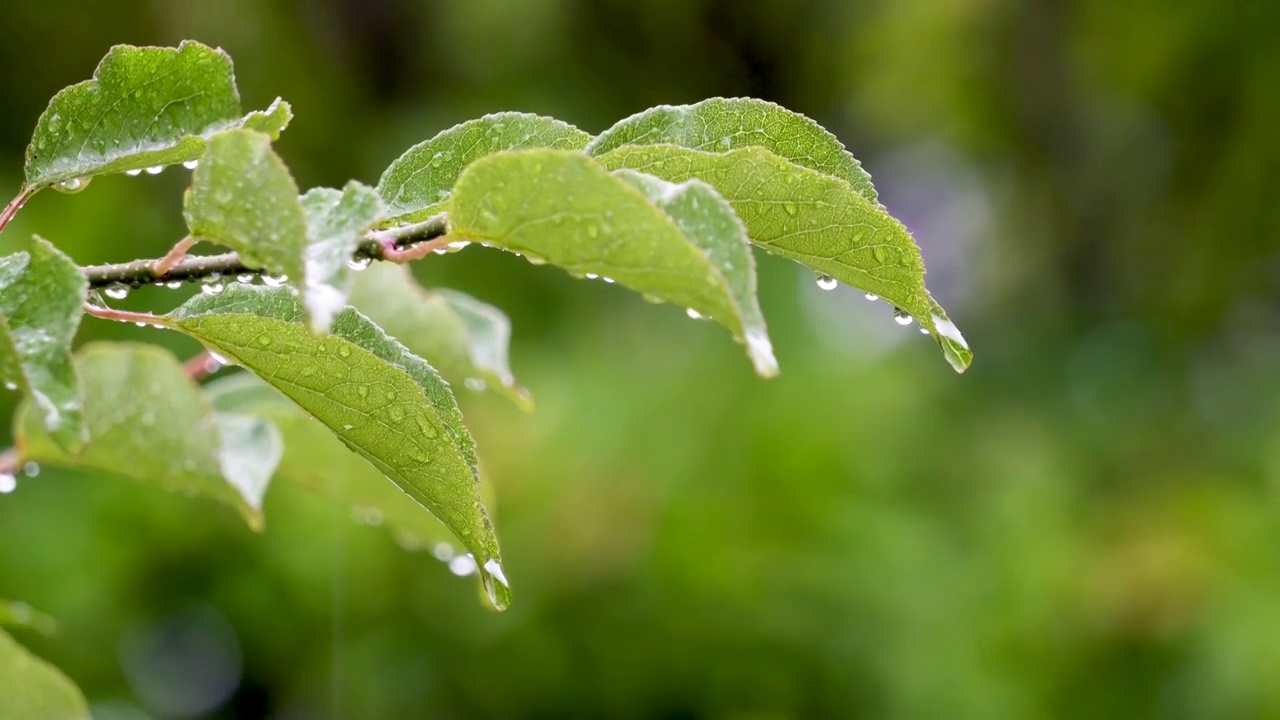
1083, 525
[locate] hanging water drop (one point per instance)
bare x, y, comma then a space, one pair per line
924, 331
173, 284
117, 291
274, 280
901, 316
872, 297
693, 314
10, 385
8, 483
535, 259
608, 280
443, 551
140, 324
191, 164
826, 282
212, 288
245, 278
359, 263
31, 469
457, 245
462, 565
155, 169
591, 276
72, 186
133, 173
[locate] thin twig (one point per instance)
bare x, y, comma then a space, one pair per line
139, 318
171, 259
14, 206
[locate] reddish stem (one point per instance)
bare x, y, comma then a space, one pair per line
106, 313
413, 252
14, 206
173, 258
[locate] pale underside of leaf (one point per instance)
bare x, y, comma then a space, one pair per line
32, 689
814, 219
464, 338
418, 184
673, 243
149, 423
336, 223
144, 107
41, 298
724, 124
382, 401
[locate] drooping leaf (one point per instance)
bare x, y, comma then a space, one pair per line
149, 423
675, 243
417, 185
724, 124
382, 401
316, 460
32, 689
465, 339
336, 222
243, 196
144, 107
814, 219
41, 300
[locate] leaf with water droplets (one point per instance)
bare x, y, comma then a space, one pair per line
148, 422
316, 460
32, 689
41, 300
814, 219
145, 107
460, 336
677, 243
724, 124
336, 223
417, 185
382, 401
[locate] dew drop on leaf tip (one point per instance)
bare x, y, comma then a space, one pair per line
826, 282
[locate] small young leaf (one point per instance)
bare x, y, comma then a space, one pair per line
724, 124
336, 222
417, 185
385, 403
463, 338
677, 243
32, 689
814, 219
144, 107
243, 196
316, 460
41, 299
149, 423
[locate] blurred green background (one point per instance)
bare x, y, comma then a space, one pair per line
1085, 525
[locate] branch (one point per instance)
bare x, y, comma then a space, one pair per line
377, 245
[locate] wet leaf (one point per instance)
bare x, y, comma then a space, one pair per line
382, 401
32, 689
675, 243
816, 220
144, 107
465, 339
336, 222
41, 299
724, 124
417, 185
149, 423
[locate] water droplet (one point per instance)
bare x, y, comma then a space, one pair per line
367, 515
872, 297
408, 541
274, 280
591, 276
693, 314
790, 208
924, 331
191, 164
475, 383
212, 288
901, 316
359, 263
74, 185
173, 284
245, 278
140, 324
534, 260
826, 282
10, 385
8, 483
31, 469
155, 169
443, 551
462, 565
133, 173
117, 291
608, 280
457, 245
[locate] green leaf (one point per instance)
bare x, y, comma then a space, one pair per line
243, 196
417, 185
41, 300
336, 223
385, 403
316, 460
144, 107
814, 219
724, 124
675, 243
32, 689
149, 423
19, 614
465, 339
